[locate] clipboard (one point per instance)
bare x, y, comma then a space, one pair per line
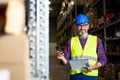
78, 64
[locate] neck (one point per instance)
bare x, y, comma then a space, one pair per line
84, 35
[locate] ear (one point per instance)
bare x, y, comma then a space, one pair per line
88, 26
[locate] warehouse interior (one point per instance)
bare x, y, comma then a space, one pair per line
105, 22
104, 18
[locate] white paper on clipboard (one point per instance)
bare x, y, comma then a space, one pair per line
78, 64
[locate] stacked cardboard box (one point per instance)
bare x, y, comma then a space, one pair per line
14, 56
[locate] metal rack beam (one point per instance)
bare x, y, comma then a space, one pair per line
38, 23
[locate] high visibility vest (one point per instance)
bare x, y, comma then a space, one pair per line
89, 52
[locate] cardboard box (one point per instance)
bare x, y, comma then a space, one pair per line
18, 71
14, 56
13, 49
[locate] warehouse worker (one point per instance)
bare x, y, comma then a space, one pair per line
84, 46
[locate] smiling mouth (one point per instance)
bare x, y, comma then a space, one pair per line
83, 30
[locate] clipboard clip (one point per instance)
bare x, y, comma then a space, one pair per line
87, 64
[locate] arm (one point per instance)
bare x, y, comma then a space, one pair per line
66, 54
101, 52
101, 57
92, 67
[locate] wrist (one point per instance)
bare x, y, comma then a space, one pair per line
64, 61
96, 66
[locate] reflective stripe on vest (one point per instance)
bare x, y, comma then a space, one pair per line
84, 57
89, 53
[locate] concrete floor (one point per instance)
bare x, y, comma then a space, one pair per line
58, 71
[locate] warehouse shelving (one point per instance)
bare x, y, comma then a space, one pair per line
106, 31
65, 22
